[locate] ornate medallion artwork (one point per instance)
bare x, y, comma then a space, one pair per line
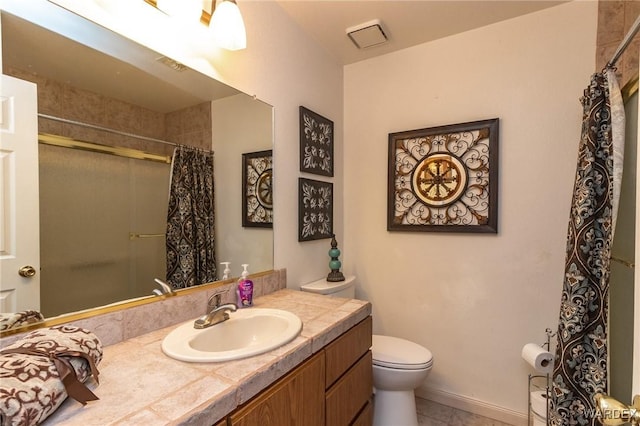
444, 178
257, 189
316, 143
315, 209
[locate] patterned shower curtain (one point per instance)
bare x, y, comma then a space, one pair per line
580, 369
190, 220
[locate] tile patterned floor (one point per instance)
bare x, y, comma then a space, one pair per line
433, 414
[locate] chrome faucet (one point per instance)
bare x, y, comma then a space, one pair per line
216, 314
164, 288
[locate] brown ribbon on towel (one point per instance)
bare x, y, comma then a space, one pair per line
75, 389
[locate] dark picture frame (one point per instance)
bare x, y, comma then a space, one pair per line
315, 209
316, 143
444, 179
257, 189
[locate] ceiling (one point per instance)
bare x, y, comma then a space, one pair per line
151, 82
406, 22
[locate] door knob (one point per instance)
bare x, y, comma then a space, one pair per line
613, 412
27, 271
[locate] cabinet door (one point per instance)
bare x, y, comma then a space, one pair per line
297, 400
350, 394
343, 352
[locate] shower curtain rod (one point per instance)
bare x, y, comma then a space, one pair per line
106, 129
65, 142
625, 42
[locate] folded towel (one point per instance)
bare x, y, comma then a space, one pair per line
18, 319
39, 371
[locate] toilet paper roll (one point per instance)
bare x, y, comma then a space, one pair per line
540, 359
539, 403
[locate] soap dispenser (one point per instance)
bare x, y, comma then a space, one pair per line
245, 289
226, 274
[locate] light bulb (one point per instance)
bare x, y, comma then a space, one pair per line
227, 26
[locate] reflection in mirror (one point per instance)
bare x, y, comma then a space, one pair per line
107, 133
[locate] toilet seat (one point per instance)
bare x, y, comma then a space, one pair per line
400, 354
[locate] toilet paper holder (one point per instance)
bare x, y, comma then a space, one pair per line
547, 384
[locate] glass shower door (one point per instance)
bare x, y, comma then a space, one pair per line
621, 292
97, 215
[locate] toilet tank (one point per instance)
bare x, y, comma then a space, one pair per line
346, 288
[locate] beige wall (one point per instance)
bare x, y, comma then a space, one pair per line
473, 300
242, 125
285, 68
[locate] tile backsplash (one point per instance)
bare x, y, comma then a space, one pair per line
615, 18
115, 327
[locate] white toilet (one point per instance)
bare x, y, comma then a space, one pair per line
399, 366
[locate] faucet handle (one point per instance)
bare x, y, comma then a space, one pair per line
214, 301
164, 288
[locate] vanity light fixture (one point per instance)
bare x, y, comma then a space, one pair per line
227, 25
225, 20
186, 10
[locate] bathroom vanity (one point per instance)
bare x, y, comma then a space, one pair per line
333, 387
323, 377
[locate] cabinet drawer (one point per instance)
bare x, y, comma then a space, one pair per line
365, 417
347, 349
346, 398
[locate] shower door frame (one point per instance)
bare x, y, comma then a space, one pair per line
635, 385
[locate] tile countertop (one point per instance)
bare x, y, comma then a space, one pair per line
140, 385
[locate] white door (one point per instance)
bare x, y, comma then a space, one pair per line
19, 210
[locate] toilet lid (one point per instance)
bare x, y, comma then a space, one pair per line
394, 352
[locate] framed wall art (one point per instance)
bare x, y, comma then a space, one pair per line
444, 178
257, 189
316, 143
315, 209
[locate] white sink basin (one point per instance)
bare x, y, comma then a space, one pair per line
248, 332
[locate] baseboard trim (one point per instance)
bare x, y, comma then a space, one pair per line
473, 406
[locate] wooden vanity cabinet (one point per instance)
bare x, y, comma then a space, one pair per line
333, 388
296, 399
349, 375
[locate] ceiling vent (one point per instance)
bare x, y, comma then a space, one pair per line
173, 64
368, 34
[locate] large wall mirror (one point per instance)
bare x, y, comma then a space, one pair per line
103, 210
